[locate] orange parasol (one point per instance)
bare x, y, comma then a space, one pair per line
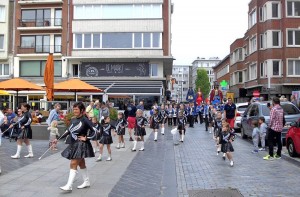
17, 85
75, 85
49, 77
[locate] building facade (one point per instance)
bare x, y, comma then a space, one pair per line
207, 64
181, 74
221, 71
265, 61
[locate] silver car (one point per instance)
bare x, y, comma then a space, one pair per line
259, 109
240, 109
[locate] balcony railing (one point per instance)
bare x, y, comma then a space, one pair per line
48, 22
39, 49
39, 1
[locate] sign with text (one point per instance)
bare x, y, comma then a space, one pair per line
122, 69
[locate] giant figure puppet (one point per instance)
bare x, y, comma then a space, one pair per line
190, 96
216, 96
199, 98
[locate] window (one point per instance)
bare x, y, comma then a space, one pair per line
1, 41
245, 75
238, 77
276, 68
58, 17
78, 41
294, 67
4, 70
37, 68
154, 70
253, 44
261, 14
2, 14
294, 37
293, 8
96, 41
223, 71
275, 10
57, 44
37, 18
40, 43
75, 70
262, 41
276, 38
87, 41
252, 72
263, 72
252, 19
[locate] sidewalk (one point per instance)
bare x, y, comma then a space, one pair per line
44, 177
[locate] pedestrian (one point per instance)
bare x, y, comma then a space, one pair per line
175, 114
275, 127
104, 111
170, 114
182, 121
96, 138
141, 105
255, 135
120, 128
10, 115
227, 139
262, 132
131, 118
54, 114
1, 121
154, 122
140, 130
24, 132
217, 131
96, 111
90, 110
80, 146
53, 135
163, 117
106, 137
230, 112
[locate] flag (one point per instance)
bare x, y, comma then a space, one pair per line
49, 77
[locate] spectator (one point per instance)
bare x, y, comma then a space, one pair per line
131, 118
61, 115
10, 115
275, 127
54, 114
230, 112
294, 101
90, 110
34, 119
97, 111
104, 111
141, 106
38, 115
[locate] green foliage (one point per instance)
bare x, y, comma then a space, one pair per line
67, 118
202, 82
113, 113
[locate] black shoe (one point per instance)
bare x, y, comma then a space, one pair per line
130, 139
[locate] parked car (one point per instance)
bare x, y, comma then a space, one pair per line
240, 108
258, 109
293, 139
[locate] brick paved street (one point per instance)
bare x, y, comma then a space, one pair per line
163, 169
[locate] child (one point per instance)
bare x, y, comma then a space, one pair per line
97, 136
218, 130
227, 139
170, 115
181, 125
121, 124
255, 135
163, 116
262, 133
155, 120
140, 130
175, 115
106, 138
53, 135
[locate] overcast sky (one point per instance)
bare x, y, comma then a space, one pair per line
206, 28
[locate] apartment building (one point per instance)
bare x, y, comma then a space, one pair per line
266, 61
207, 64
122, 47
181, 74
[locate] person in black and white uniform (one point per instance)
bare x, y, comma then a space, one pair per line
120, 128
140, 130
81, 130
163, 113
155, 121
24, 132
182, 120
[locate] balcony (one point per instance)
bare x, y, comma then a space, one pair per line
40, 24
26, 2
39, 49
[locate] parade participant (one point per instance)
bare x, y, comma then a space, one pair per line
262, 132
201, 113
24, 132
170, 114
218, 130
206, 115
106, 138
181, 125
195, 114
227, 139
255, 136
1, 122
54, 114
175, 114
120, 128
53, 135
190, 114
96, 138
199, 98
155, 119
131, 118
230, 112
190, 96
216, 95
140, 130
80, 146
163, 113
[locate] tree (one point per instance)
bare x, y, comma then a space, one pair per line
202, 82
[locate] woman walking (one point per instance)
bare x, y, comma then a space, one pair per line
80, 146
24, 132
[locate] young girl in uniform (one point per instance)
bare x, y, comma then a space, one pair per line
121, 124
227, 139
217, 131
181, 125
106, 138
155, 120
175, 114
170, 114
96, 138
140, 130
163, 116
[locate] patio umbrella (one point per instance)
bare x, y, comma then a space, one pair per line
49, 77
75, 85
17, 85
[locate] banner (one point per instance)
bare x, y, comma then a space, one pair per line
230, 95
